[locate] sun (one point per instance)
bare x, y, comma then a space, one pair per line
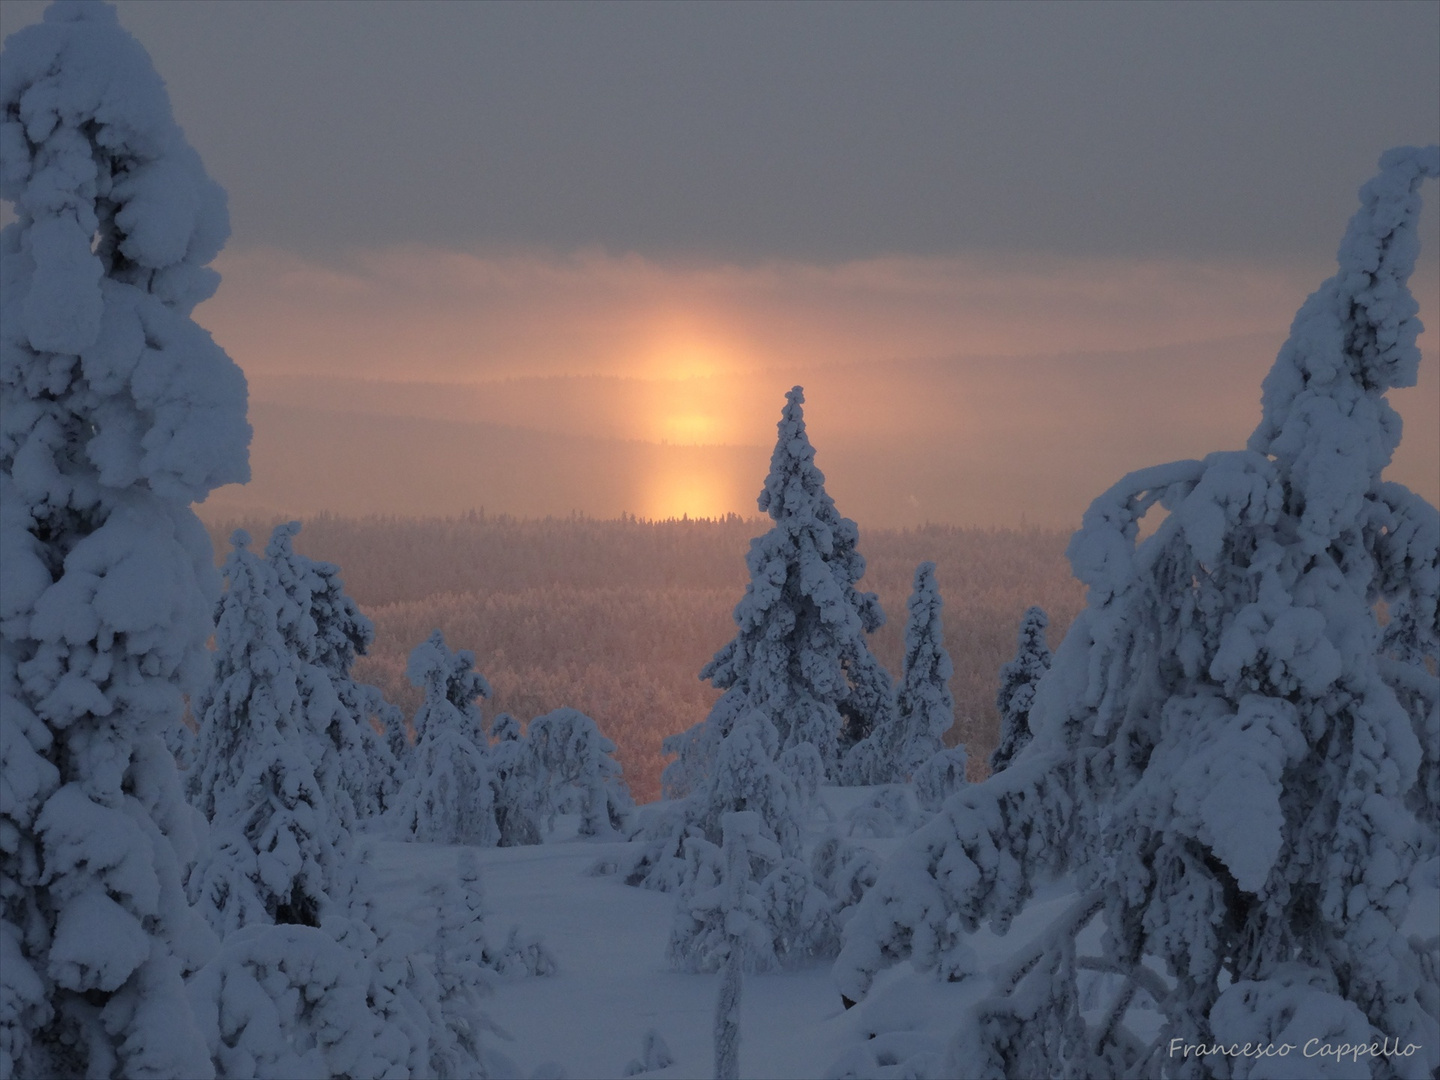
685, 365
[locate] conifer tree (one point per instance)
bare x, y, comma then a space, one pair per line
448, 797
574, 767
307, 980
278, 847
792, 915
327, 631
1219, 757
802, 623
388, 780
465, 971
117, 411
925, 708
520, 804
1017, 687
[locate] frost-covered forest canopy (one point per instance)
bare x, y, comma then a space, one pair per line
781, 796
616, 617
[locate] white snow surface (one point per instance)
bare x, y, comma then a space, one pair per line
614, 983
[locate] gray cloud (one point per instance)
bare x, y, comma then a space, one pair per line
802, 131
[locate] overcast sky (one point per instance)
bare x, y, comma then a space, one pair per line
810, 131
465, 191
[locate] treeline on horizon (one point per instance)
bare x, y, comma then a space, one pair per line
616, 617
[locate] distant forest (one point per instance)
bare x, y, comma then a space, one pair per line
616, 617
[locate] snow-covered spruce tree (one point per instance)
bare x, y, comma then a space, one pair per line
460, 975
327, 631
520, 800
925, 709
784, 900
116, 413
388, 776
1218, 757
721, 915
278, 848
802, 623
574, 769
448, 798
462, 936
1017, 687
350, 998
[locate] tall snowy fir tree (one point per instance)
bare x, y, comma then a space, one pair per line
448, 796
116, 413
801, 624
1219, 757
1018, 679
802, 627
279, 848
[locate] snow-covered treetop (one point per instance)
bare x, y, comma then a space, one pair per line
1325, 418
1326, 425
115, 223
1032, 660
447, 676
795, 493
926, 706
800, 643
342, 630
75, 83
295, 576
794, 485
1018, 679
925, 631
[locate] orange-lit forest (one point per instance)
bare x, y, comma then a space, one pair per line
615, 618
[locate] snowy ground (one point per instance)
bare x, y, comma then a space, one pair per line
613, 982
